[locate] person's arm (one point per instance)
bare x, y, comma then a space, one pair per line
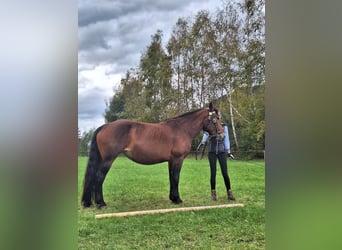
227, 142
205, 137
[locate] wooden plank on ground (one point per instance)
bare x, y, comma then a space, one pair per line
162, 211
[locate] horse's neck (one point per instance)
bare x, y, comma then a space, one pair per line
191, 124
196, 128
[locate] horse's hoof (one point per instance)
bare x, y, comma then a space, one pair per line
86, 204
101, 205
178, 201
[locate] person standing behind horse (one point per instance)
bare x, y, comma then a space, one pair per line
219, 148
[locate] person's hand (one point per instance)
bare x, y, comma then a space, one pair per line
231, 156
220, 137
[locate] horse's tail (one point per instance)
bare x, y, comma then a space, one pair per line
89, 179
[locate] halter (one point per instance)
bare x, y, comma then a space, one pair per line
211, 120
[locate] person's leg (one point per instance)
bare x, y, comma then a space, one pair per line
212, 163
222, 157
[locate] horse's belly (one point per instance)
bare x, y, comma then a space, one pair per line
144, 156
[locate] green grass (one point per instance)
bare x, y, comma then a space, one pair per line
130, 187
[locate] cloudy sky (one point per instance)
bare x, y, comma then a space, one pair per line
112, 34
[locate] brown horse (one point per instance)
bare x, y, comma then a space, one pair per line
145, 143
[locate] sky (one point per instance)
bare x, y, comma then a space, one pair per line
112, 35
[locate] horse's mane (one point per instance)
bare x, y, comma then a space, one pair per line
184, 115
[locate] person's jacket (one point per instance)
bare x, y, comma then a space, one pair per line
216, 143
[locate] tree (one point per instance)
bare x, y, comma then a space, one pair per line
79, 138
180, 52
227, 26
203, 61
115, 109
155, 70
134, 95
252, 74
84, 140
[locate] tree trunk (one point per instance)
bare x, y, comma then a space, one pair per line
232, 119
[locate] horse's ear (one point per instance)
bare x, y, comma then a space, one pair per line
211, 108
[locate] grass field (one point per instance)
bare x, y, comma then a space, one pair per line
130, 187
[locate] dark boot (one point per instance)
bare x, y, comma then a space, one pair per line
230, 195
213, 195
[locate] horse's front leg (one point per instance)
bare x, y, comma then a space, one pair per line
174, 174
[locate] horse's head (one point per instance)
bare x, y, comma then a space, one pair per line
213, 124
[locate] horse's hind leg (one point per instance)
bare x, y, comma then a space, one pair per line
100, 177
90, 179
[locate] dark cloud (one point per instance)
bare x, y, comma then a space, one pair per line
109, 32
99, 11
